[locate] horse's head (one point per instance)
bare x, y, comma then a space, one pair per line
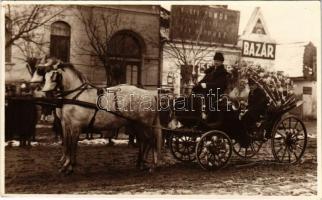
53, 80
57, 75
45, 65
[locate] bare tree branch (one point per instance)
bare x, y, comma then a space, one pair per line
27, 19
22, 21
99, 28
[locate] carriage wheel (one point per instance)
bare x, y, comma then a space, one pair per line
247, 152
289, 140
183, 147
214, 150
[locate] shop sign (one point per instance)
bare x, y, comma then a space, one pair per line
258, 50
204, 24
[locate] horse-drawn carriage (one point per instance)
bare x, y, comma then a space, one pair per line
212, 144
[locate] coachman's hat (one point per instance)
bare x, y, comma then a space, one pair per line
251, 81
219, 56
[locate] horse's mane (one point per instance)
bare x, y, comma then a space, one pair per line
70, 66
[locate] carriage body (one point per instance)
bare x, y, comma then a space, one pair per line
212, 143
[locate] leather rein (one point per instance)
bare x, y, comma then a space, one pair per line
60, 94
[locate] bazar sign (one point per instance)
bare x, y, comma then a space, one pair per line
258, 50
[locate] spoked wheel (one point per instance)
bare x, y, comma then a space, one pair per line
214, 150
247, 152
183, 147
289, 140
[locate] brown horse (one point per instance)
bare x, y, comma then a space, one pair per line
126, 105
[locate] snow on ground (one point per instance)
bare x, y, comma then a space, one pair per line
84, 142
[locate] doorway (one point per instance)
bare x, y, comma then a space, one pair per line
125, 55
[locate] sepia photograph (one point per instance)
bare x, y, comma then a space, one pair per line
147, 99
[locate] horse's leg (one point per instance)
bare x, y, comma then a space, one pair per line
142, 146
157, 142
68, 146
155, 153
64, 142
75, 137
144, 155
139, 161
73, 140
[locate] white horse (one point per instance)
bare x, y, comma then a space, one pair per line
128, 105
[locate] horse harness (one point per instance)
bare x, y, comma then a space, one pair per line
79, 90
60, 94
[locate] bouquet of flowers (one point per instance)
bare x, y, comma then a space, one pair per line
278, 87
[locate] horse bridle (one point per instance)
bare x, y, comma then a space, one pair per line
59, 91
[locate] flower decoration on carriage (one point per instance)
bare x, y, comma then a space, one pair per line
278, 87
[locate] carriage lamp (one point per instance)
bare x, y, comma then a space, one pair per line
170, 78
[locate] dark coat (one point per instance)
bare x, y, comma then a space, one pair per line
257, 105
257, 101
21, 120
214, 78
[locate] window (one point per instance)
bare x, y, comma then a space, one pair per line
125, 57
220, 16
8, 37
60, 41
124, 45
259, 28
132, 74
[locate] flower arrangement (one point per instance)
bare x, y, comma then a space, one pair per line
278, 87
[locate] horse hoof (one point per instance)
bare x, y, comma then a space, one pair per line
62, 170
62, 159
111, 144
69, 172
151, 170
144, 167
138, 166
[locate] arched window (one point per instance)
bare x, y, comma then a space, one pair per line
125, 52
124, 45
60, 40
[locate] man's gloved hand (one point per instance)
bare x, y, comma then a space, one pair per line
203, 85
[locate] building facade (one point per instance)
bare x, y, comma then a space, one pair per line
195, 34
132, 43
298, 60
